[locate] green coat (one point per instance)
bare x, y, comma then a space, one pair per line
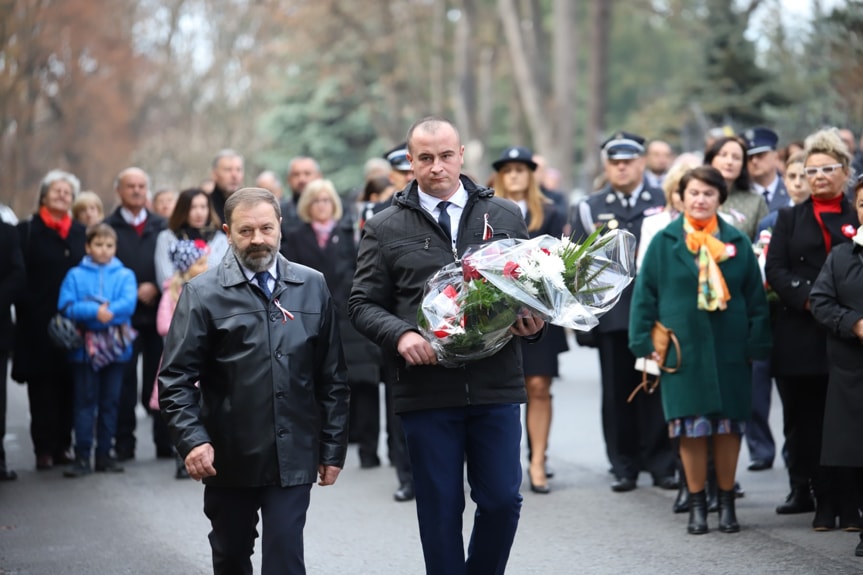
716, 347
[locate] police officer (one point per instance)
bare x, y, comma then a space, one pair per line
635, 433
761, 160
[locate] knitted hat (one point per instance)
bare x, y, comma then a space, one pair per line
184, 253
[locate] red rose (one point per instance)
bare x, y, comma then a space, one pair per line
849, 231
450, 292
200, 244
511, 270
468, 271
545, 251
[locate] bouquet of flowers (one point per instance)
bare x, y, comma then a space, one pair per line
469, 306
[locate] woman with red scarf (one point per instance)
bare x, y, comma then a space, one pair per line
803, 236
700, 278
52, 243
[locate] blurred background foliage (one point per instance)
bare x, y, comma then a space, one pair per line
93, 86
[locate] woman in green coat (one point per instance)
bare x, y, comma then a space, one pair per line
700, 278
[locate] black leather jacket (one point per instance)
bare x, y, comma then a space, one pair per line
400, 249
273, 397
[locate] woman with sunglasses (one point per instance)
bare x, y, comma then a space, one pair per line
803, 236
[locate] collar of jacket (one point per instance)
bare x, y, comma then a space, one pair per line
410, 198
231, 274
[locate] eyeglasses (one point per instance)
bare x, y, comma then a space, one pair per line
813, 171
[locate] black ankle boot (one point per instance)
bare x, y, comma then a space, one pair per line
727, 515
681, 503
697, 513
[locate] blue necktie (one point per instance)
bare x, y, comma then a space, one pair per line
263, 279
443, 219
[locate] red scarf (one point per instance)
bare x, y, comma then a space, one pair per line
60, 226
826, 206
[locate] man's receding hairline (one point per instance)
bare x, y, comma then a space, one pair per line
432, 126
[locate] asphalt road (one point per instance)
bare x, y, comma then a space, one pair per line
145, 522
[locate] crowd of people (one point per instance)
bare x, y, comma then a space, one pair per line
179, 296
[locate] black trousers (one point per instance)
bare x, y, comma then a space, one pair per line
51, 412
4, 360
636, 435
149, 347
233, 515
803, 400
366, 417
396, 443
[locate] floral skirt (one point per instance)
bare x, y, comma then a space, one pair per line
702, 426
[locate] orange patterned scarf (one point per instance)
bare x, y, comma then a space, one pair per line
709, 250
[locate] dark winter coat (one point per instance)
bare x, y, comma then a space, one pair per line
794, 259
716, 347
138, 253
400, 249
837, 303
13, 281
338, 261
273, 398
47, 258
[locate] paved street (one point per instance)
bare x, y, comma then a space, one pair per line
146, 522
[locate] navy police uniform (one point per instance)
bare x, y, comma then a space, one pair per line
636, 436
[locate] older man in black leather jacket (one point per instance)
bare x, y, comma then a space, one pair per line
260, 335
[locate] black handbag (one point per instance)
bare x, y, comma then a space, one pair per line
63, 332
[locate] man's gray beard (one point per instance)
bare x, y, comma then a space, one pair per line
257, 264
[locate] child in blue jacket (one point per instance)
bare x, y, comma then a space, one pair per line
99, 294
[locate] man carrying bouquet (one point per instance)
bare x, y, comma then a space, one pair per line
449, 415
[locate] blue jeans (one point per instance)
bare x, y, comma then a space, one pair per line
96, 391
439, 441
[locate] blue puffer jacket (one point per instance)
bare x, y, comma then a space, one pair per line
87, 285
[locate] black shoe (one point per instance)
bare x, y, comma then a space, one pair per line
549, 472
80, 468
405, 492
712, 495
760, 465
623, 484
369, 461
108, 465
727, 514
849, 519
697, 513
798, 501
63, 458
541, 489
859, 550
681, 503
668, 482
825, 518
7, 474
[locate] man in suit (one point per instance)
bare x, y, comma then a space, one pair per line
635, 433
227, 178
301, 171
137, 229
762, 161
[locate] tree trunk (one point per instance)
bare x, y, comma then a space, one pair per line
600, 20
561, 155
538, 121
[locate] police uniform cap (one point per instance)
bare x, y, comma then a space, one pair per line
623, 146
398, 158
515, 154
760, 140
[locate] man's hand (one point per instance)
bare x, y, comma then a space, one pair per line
858, 329
104, 315
199, 462
416, 349
328, 474
527, 326
147, 293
